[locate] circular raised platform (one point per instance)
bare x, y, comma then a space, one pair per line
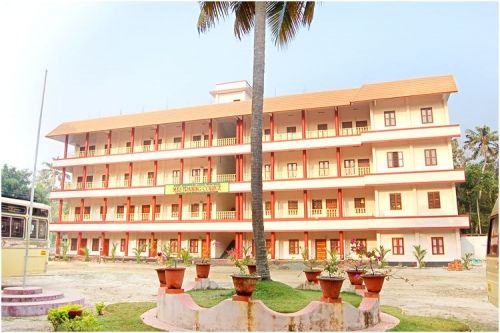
22, 291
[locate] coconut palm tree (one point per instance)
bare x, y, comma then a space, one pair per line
284, 19
483, 143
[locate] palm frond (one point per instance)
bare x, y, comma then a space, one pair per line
244, 12
211, 12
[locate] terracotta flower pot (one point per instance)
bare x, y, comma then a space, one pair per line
312, 276
161, 275
202, 270
74, 313
174, 277
355, 276
245, 284
330, 286
373, 282
252, 268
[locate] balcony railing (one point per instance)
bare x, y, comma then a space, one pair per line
119, 216
317, 212
194, 213
226, 178
225, 141
267, 213
149, 181
145, 148
174, 214
320, 133
331, 212
360, 171
363, 171
198, 179
287, 136
145, 216
360, 210
169, 146
355, 130
265, 138
293, 212
225, 215
198, 144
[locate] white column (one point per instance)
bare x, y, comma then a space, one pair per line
373, 167
417, 238
445, 109
378, 239
458, 245
412, 158
415, 198
454, 204
408, 113
376, 199
372, 124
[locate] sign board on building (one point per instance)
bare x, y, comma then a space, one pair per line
196, 188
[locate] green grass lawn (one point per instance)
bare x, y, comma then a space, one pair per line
276, 295
125, 317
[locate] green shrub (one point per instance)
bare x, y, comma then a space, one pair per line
419, 254
113, 251
86, 323
59, 315
99, 307
137, 254
467, 258
381, 253
86, 253
65, 249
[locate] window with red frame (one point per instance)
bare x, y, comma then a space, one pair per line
426, 114
193, 246
390, 118
398, 246
395, 201
430, 157
293, 246
95, 244
361, 242
437, 245
434, 200
395, 159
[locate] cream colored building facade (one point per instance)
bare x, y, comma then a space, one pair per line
372, 163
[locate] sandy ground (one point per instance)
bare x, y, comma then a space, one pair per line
435, 291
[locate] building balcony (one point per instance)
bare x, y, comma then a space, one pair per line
320, 133
359, 171
225, 141
354, 130
226, 178
329, 212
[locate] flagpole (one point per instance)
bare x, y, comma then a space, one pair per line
32, 196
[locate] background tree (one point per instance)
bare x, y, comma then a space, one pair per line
284, 19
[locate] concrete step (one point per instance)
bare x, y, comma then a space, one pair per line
44, 296
22, 291
24, 309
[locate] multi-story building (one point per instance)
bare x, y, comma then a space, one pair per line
372, 163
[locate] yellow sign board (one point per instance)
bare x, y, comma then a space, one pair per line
196, 188
43, 252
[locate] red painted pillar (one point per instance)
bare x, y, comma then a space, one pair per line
237, 168
128, 210
130, 169
58, 243
86, 144
101, 244
306, 212
179, 242
337, 122
272, 165
127, 238
209, 204
273, 245
180, 207
151, 242
132, 139
105, 209
237, 242
272, 205
340, 202
209, 175
155, 173
304, 163
66, 140
60, 211
271, 129
241, 206
306, 243
82, 203
79, 244
339, 170
237, 206
84, 183
181, 176
108, 152
238, 131
157, 134
106, 177
341, 241
242, 130
183, 134
153, 208
208, 241
303, 121
63, 178
210, 133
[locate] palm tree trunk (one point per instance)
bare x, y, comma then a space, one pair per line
256, 141
479, 194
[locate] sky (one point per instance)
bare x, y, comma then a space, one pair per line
111, 58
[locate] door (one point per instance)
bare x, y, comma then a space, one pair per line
320, 249
83, 244
204, 252
145, 210
105, 247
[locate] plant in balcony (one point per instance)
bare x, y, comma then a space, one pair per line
244, 282
310, 272
356, 260
332, 283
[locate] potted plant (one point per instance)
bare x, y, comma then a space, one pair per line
249, 261
174, 276
202, 268
310, 272
163, 258
355, 273
332, 283
244, 282
373, 280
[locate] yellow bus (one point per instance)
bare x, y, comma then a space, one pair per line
14, 218
492, 257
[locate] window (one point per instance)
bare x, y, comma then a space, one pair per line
335, 245
42, 229
5, 226
398, 246
293, 207
492, 245
395, 201
91, 150
268, 245
196, 137
347, 124
267, 171
322, 130
361, 242
195, 210
174, 245
34, 227
267, 208
74, 243
430, 157
434, 200
89, 180
437, 245
293, 246
363, 166
126, 178
193, 246
390, 118
177, 139
267, 131
291, 170
361, 123
395, 159
95, 244
141, 244
79, 182
426, 114
174, 208
147, 145
359, 203
317, 204
122, 245
86, 212
324, 168
349, 167
14, 226
176, 176
290, 132
151, 176
119, 210
331, 207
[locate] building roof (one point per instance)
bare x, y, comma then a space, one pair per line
316, 100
